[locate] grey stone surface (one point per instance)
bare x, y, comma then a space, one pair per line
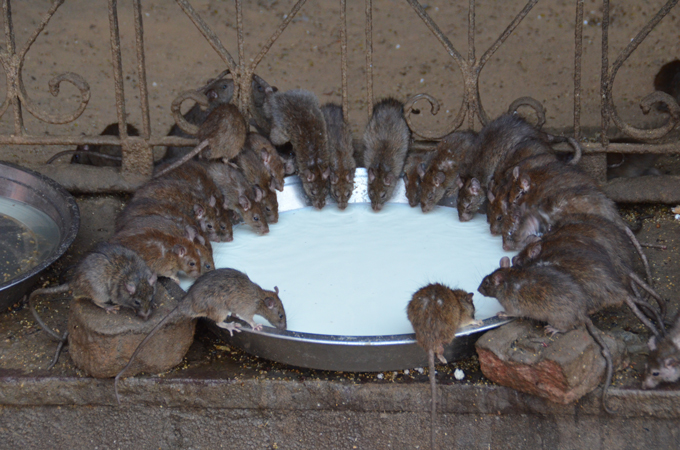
561, 368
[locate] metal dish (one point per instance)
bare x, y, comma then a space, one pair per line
46, 195
348, 353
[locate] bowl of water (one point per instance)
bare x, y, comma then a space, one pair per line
39, 220
345, 278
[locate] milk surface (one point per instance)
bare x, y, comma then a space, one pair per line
352, 272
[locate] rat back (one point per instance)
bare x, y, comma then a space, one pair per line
341, 152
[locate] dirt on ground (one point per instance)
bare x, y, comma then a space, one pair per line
536, 60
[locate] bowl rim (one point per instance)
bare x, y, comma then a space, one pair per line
68, 237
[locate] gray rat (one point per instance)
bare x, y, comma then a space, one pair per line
386, 141
217, 295
436, 312
341, 152
549, 294
663, 364
442, 175
221, 137
273, 162
416, 164
111, 276
99, 155
240, 195
296, 117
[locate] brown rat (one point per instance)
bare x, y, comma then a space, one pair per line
296, 117
386, 141
252, 164
239, 195
663, 363
436, 312
217, 295
111, 276
99, 155
164, 253
221, 137
416, 164
442, 176
273, 162
546, 293
341, 152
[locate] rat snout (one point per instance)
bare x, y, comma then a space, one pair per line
377, 206
145, 314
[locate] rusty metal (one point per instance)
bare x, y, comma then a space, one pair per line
369, 59
137, 155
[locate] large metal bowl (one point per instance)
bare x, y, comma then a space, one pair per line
46, 195
348, 353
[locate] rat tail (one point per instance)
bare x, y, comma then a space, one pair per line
53, 290
659, 300
433, 389
632, 304
141, 345
198, 149
638, 247
83, 152
595, 333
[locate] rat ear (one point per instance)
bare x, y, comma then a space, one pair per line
534, 250
326, 173
439, 178
348, 176
269, 302
180, 250
200, 239
130, 288
190, 232
469, 297
490, 196
264, 154
244, 202
671, 362
524, 182
459, 182
199, 211
213, 201
334, 178
309, 175
259, 193
388, 179
475, 187
371, 175
515, 172
497, 278
420, 170
505, 262
269, 91
276, 289
652, 343
152, 279
272, 185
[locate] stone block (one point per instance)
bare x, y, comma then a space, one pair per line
101, 344
561, 368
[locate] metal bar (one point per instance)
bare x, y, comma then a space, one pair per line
141, 70
604, 76
208, 34
369, 58
343, 59
578, 52
12, 92
239, 79
471, 104
117, 69
92, 140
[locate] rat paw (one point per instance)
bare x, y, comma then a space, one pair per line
256, 326
230, 326
551, 330
503, 315
112, 309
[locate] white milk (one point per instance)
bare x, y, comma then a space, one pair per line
352, 272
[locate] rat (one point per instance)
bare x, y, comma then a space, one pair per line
165, 254
442, 176
190, 200
169, 226
341, 152
663, 363
240, 195
217, 295
296, 117
546, 293
251, 162
221, 137
416, 164
111, 276
386, 141
99, 155
436, 312
273, 162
